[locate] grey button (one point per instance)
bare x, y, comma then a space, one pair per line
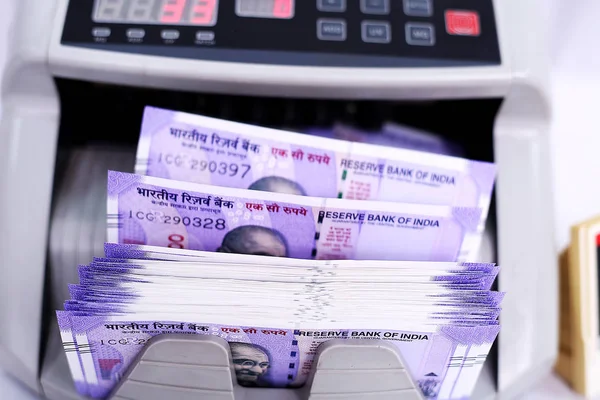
418, 8
376, 32
418, 34
136, 33
331, 29
205, 36
380, 7
169, 35
101, 32
331, 5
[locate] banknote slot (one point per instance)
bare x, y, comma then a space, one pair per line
100, 127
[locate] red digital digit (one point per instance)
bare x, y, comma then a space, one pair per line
282, 8
202, 11
172, 11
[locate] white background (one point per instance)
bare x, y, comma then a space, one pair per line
576, 143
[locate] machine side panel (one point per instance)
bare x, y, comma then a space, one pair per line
527, 251
28, 135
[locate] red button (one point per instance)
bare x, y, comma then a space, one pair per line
462, 23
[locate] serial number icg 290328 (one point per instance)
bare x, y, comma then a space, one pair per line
160, 218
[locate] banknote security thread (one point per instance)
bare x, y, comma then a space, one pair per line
160, 212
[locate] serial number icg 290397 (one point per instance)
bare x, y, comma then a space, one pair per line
214, 167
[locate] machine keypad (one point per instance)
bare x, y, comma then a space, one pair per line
418, 8
420, 34
376, 32
169, 34
101, 32
341, 33
331, 29
331, 5
376, 7
136, 33
205, 36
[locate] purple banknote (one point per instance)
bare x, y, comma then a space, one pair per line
160, 212
205, 150
435, 356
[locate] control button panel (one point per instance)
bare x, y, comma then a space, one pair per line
331, 29
169, 34
418, 8
337, 33
375, 7
136, 33
205, 36
376, 32
462, 23
420, 34
331, 5
101, 32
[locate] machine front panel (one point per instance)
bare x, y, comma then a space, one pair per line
351, 33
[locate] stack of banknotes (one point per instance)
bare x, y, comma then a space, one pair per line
277, 242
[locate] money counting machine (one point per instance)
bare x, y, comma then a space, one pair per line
80, 73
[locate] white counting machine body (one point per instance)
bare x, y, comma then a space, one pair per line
80, 72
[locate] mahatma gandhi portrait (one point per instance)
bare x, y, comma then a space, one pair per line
250, 363
255, 240
278, 184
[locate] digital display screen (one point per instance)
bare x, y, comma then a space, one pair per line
278, 9
157, 12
